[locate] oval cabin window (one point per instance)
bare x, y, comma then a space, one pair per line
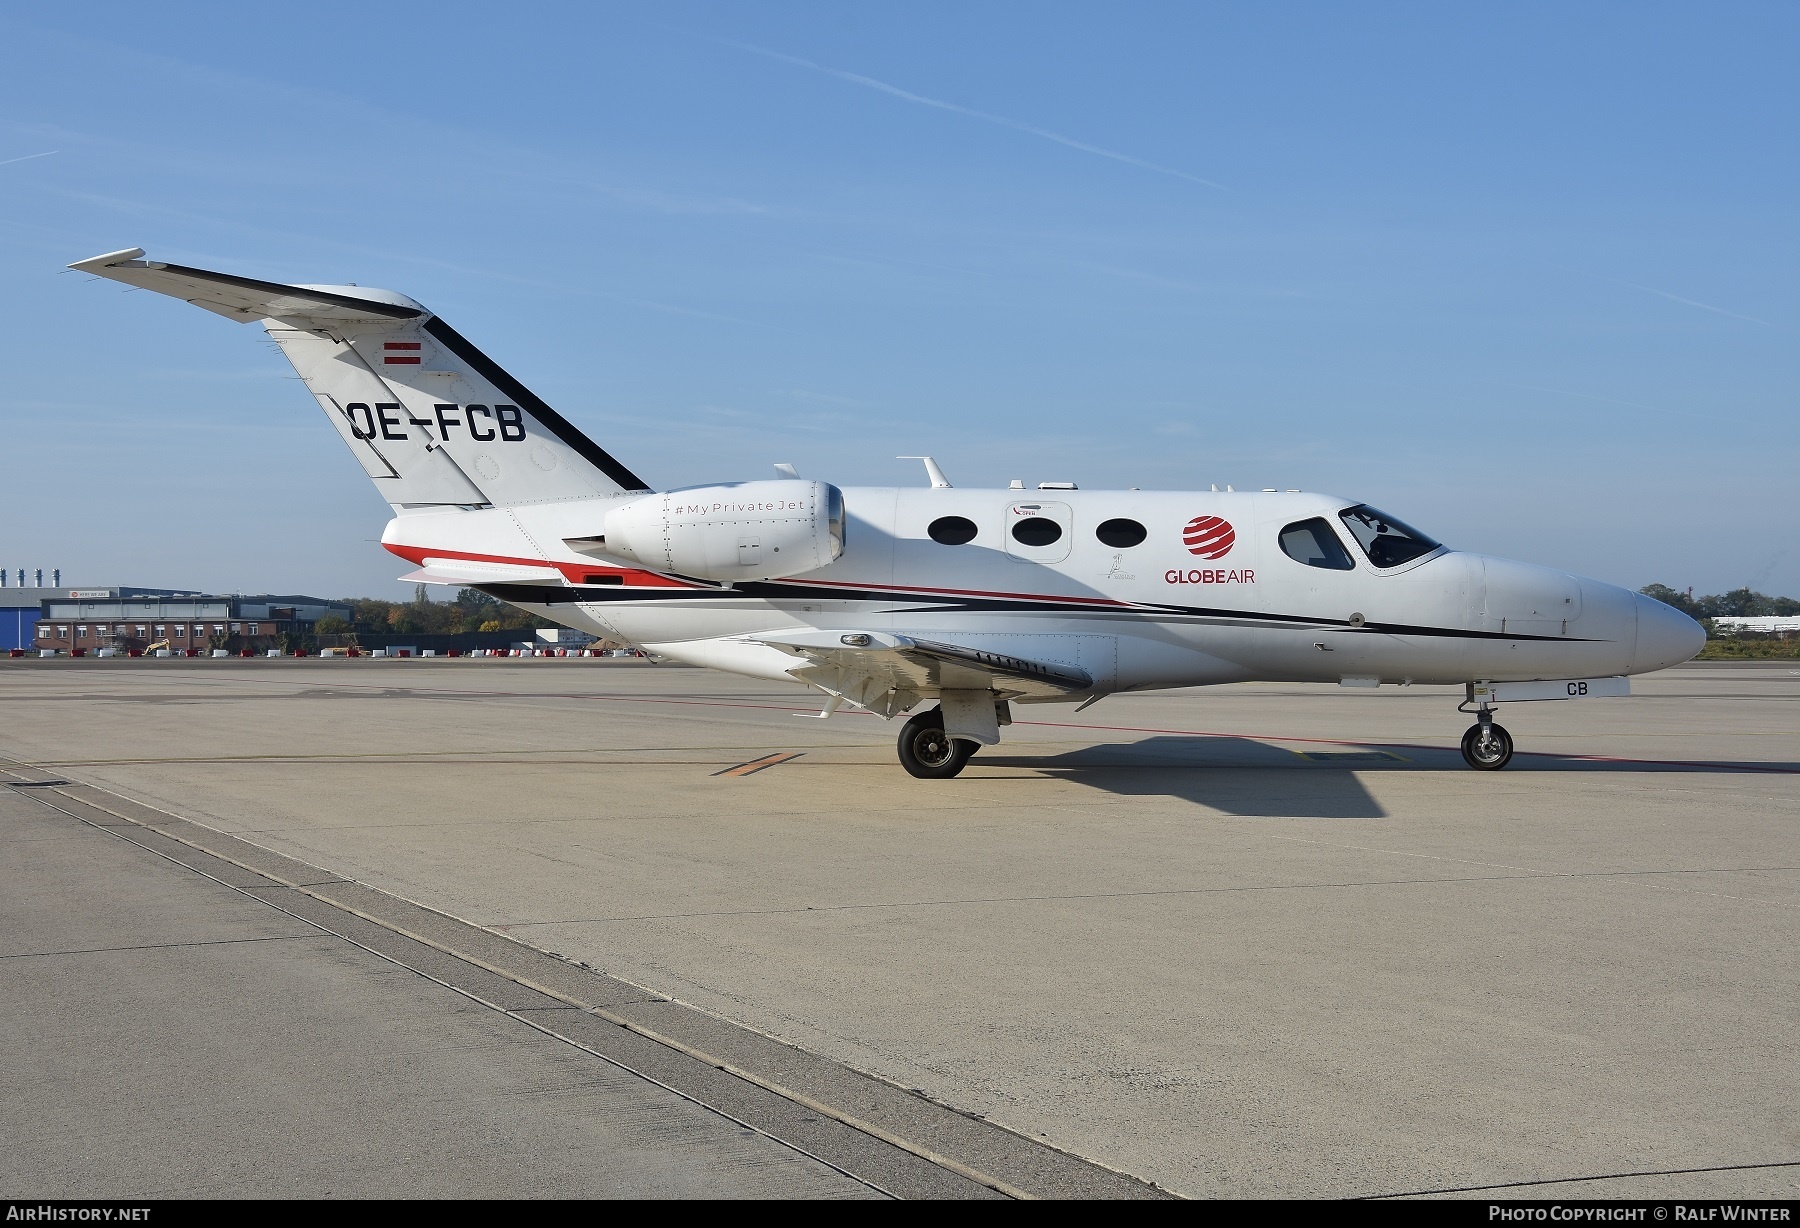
1036, 531
1121, 533
952, 530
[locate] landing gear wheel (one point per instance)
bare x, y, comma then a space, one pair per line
928, 752
1487, 748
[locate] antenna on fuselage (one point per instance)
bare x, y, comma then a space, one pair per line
932, 472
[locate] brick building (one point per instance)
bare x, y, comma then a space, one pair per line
90, 619
21, 607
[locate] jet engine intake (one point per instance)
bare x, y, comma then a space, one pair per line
738, 531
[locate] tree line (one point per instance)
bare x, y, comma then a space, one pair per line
1738, 603
470, 611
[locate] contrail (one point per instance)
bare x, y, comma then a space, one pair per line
1693, 303
29, 157
986, 117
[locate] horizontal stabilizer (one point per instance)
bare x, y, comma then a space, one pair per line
433, 421
245, 299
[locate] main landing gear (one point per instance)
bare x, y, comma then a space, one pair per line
1486, 747
928, 752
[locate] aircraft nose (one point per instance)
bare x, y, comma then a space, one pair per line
1665, 636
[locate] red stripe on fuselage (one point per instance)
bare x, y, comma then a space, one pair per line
574, 573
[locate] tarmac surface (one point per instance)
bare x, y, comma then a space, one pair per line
593, 927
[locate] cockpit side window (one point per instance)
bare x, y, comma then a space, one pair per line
1387, 542
1312, 542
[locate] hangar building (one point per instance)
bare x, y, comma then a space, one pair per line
127, 618
20, 608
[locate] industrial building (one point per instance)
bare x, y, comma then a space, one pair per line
22, 607
130, 619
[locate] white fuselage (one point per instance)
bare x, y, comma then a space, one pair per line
1138, 617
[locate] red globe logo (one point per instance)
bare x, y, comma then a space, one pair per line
1209, 537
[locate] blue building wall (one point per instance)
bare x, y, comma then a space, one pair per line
18, 625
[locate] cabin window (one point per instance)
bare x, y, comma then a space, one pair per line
1120, 532
953, 530
1387, 542
1036, 531
1312, 542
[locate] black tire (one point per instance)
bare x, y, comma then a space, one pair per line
927, 752
1490, 754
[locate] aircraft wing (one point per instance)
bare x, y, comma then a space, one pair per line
889, 673
243, 299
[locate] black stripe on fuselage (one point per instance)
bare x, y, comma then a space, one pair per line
522, 396
766, 590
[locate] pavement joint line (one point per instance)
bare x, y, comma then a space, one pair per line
923, 1152
1196, 733
1514, 1185
156, 946
385, 757
326, 882
477, 998
1529, 872
1781, 769
1131, 895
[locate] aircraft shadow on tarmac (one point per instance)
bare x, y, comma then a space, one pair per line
1251, 779
1232, 775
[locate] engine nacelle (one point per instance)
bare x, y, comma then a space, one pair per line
743, 531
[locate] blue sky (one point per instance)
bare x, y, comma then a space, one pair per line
1524, 275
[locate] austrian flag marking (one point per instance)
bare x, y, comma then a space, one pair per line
1209, 537
400, 353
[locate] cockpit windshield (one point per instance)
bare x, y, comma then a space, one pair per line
1387, 542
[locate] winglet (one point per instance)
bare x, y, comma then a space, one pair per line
93, 264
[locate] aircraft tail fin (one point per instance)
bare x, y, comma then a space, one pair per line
432, 420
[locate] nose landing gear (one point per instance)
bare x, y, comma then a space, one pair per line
1487, 747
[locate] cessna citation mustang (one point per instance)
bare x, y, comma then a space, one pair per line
885, 598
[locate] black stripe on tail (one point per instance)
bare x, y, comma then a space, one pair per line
522, 396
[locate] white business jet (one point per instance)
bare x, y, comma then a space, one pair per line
885, 597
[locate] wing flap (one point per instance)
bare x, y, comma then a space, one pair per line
889, 673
